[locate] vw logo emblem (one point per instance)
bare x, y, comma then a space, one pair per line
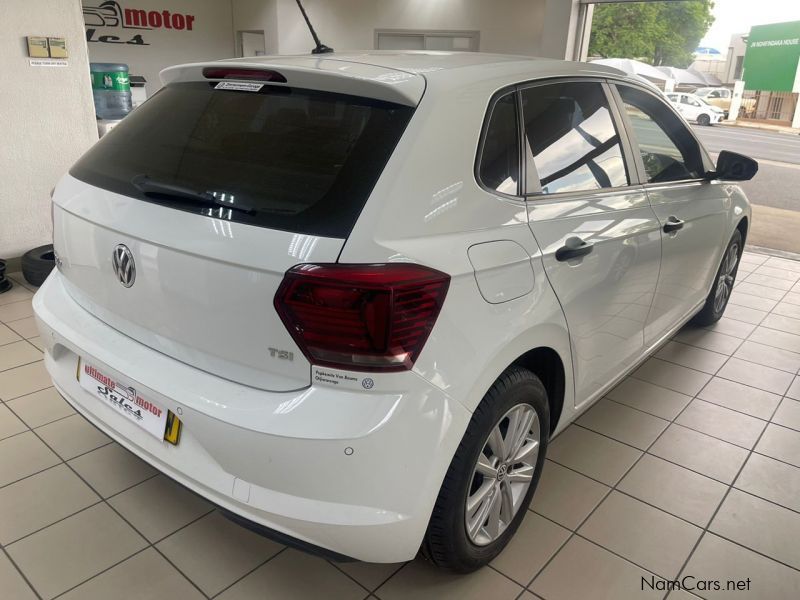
124, 267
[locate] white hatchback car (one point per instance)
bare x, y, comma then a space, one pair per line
350, 298
694, 108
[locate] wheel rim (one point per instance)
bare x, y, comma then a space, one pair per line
502, 474
726, 277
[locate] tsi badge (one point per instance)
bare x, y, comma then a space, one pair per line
282, 354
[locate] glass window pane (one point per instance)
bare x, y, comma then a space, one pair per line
499, 166
571, 138
668, 150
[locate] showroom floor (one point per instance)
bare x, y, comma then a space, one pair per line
691, 466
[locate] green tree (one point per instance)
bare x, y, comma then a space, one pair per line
659, 33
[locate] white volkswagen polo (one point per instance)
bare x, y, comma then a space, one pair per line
349, 299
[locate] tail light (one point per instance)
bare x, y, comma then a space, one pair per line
361, 317
239, 73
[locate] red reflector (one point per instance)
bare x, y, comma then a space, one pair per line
361, 317
248, 74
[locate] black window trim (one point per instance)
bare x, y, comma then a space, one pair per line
487, 118
707, 162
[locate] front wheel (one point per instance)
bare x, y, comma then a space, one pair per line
492, 476
720, 293
704, 120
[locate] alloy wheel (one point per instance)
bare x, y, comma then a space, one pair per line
726, 277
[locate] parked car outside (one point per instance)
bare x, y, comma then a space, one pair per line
694, 108
351, 298
716, 96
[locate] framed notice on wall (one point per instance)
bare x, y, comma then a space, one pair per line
57, 46
37, 47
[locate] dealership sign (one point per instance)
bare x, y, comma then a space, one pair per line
132, 22
772, 56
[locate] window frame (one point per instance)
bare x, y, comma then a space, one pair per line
487, 119
637, 155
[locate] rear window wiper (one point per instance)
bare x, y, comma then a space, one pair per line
154, 188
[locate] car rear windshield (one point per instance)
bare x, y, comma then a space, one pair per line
294, 159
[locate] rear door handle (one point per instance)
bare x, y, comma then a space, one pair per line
673, 224
574, 247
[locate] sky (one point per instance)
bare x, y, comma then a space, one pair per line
737, 16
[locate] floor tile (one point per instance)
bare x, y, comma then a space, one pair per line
763, 526
536, 540
37, 341
725, 424
214, 552
674, 377
699, 452
650, 398
794, 389
742, 299
111, 469
295, 575
26, 327
744, 314
769, 356
17, 354
75, 549
623, 423
788, 414
72, 436
692, 357
731, 328
778, 339
419, 580
713, 340
777, 272
370, 575
787, 309
760, 290
9, 423
783, 263
779, 442
13, 311
11, 582
144, 576
618, 523
772, 480
7, 335
583, 570
15, 294
23, 455
791, 298
41, 499
565, 496
40, 408
19, 279
177, 507
24, 380
754, 258
766, 280
674, 489
740, 397
781, 323
592, 454
721, 560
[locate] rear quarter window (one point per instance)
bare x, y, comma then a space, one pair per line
300, 160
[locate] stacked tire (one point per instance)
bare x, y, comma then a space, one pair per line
37, 264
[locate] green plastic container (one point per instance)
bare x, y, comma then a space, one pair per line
111, 88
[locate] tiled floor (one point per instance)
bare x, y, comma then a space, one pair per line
691, 466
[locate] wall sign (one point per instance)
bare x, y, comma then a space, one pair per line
132, 22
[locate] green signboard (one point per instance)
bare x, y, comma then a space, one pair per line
773, 51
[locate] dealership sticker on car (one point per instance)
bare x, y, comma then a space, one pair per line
124, 398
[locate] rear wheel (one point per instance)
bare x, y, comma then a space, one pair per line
492, 476
717, 299
704, 120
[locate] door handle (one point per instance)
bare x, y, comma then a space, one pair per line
574, 247
673, 224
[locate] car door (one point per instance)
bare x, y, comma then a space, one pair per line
599, 237
691, 210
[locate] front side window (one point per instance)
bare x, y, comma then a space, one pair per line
499, 164
668, 150
571, 138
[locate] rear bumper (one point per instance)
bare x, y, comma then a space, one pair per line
353, 472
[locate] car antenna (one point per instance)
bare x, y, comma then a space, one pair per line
320, 47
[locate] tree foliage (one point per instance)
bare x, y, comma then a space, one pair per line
659, 33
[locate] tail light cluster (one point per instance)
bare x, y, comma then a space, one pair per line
361, 317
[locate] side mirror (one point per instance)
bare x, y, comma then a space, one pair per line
734, 167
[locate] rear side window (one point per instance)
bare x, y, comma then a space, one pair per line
292, 159
669, 151
499, 164
571, 138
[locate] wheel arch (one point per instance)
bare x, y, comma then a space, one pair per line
546, 364
742, 226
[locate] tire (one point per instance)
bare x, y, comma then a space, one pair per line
37, 264
516, 396
718, 297
5, 284
704, 120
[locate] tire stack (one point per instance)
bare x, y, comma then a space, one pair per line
5, 284
37, 264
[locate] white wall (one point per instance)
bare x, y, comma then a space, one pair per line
257, 15
211, 38
506, 26
46, 118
